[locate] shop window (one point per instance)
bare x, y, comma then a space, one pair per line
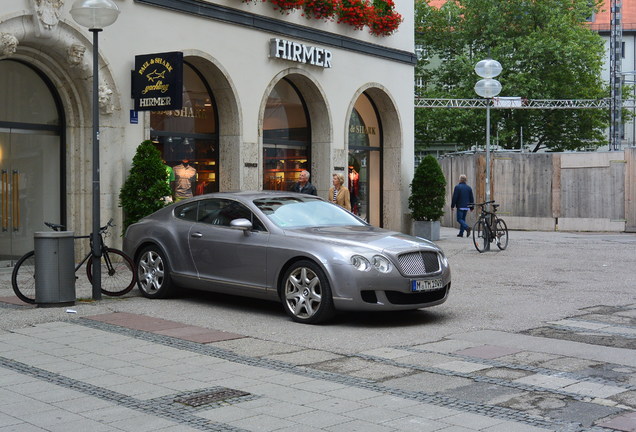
286, 137
188, 138
365, 161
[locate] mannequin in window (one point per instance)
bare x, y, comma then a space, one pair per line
185, 176
354, 179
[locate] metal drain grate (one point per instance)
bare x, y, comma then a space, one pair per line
210, 397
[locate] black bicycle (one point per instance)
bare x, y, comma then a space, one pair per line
118, 277
489, 228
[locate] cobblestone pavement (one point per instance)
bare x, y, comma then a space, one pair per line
114, 365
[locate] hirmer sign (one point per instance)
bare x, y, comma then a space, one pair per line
157, 81
301, 53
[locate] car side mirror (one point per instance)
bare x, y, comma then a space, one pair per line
241, 224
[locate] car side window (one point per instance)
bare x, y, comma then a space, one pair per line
222, 212
209, 212
187, 211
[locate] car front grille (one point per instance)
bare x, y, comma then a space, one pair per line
400, 298
418, 263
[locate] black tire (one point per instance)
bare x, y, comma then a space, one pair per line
501, 234
23, 278
481, 239
153, 273
118, 276
306, 294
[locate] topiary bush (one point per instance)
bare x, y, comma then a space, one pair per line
146, 185
428, 191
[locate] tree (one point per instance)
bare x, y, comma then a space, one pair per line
546, 51
146, 185
428, 191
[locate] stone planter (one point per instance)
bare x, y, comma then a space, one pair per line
426, 229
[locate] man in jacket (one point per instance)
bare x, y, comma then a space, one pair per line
462, 197
303, 185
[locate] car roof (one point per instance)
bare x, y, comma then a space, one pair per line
250, 195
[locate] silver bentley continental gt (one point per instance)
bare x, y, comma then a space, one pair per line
313, 256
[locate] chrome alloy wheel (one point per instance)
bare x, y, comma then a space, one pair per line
303, 292
150, 272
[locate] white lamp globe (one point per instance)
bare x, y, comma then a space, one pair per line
488, 88
94, 14
488, 68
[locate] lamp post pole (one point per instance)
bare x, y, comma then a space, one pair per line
95, 15
488, 88
97, 253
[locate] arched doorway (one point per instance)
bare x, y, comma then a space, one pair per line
188, 139
365, 161
32, 158
286, 137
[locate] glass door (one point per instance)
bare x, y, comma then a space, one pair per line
29, 189
31, 155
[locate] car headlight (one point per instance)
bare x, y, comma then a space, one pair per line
443, 259
381, 264
360, 263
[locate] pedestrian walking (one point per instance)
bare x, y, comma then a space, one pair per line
462, 200
338, 193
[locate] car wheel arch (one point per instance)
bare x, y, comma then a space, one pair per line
283, 270
144, 245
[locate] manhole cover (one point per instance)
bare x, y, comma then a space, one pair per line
210, 397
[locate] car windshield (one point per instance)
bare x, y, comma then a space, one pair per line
296, 212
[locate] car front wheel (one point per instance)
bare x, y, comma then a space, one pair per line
306, 294
153, 276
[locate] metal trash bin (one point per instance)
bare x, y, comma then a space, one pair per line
54, 268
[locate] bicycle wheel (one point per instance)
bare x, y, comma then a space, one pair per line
118, 276
501, 234
23, 278
481, 239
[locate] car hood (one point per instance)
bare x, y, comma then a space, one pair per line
365, 236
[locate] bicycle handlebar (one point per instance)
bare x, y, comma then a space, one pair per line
57, 227
482, 204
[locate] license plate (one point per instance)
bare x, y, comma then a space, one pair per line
426, 285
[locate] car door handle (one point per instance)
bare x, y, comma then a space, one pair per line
196, 235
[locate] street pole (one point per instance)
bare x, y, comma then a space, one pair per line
95, 15
96, 239
488, 101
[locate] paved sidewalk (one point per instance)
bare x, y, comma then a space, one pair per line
126, 372
114, 365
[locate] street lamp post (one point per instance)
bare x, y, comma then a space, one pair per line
488, 88
95, 15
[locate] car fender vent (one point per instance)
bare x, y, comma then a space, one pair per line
210, 397
419, 263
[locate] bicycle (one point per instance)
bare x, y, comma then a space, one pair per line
118, 277
488, 228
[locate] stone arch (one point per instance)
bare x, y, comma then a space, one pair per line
73, 83
230, 117
393, 196
321, 124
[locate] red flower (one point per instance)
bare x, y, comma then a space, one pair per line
320, 9
384, 20
380, 16
286, 6
356, 13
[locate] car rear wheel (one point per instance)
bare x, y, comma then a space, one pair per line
306, 294
153, 275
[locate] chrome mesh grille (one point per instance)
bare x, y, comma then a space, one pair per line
418, 263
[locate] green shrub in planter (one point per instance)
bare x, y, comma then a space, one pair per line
146, 185
428, 191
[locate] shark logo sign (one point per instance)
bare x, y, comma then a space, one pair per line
157, 82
